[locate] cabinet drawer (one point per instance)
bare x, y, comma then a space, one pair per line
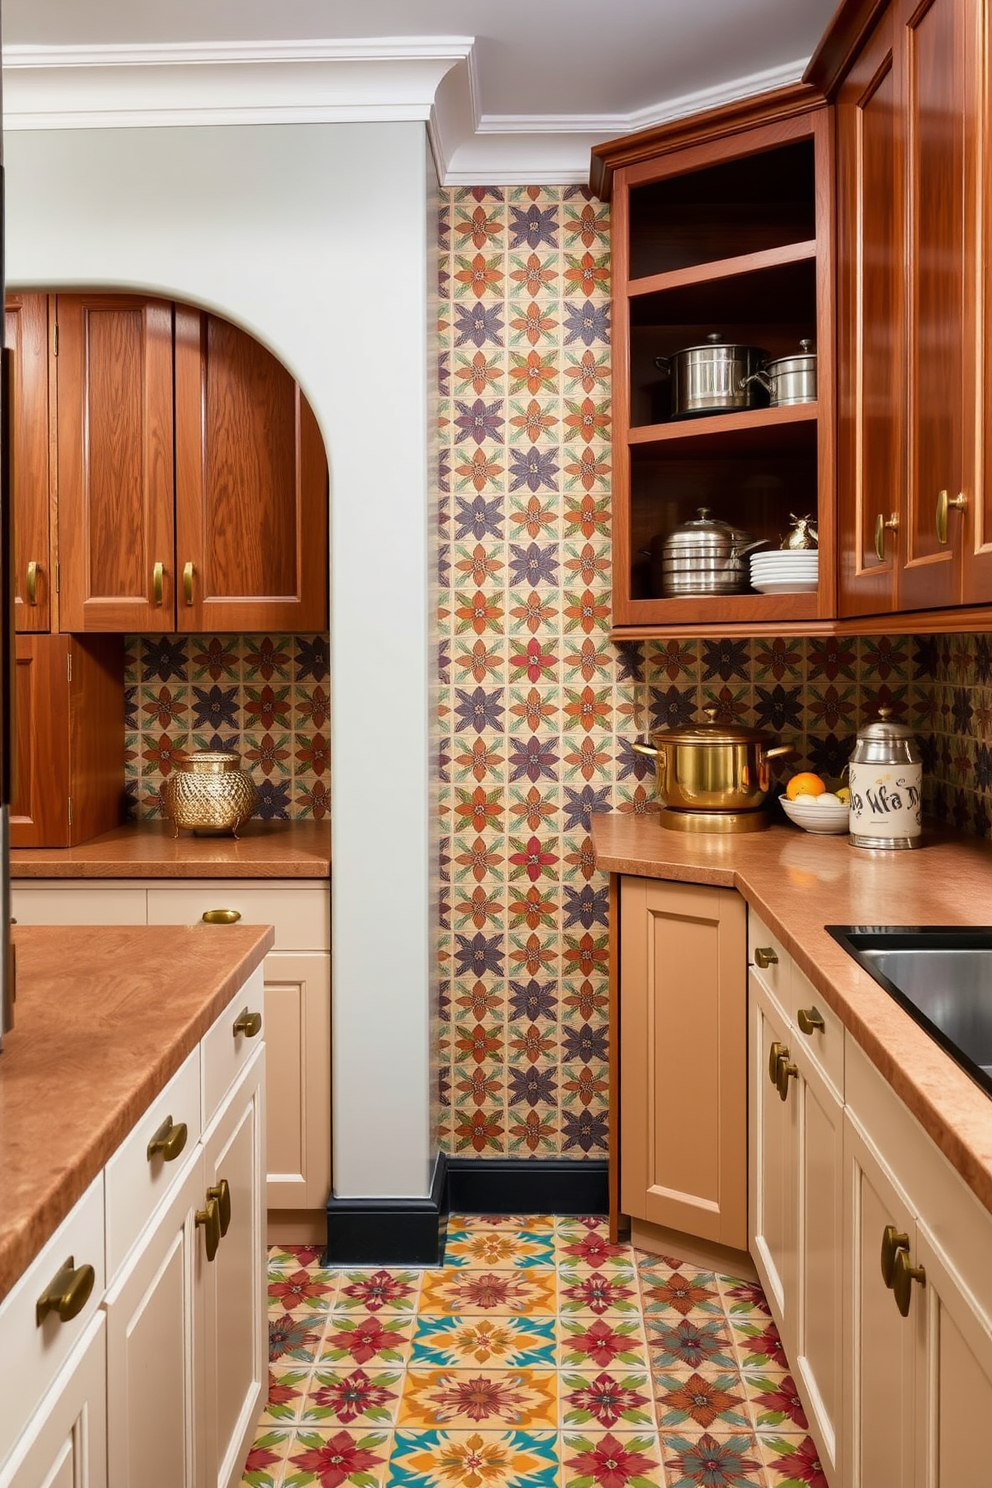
136, 1183
224, 1051
768, 959
824, 1046
68, 905
301, 916
32, 1355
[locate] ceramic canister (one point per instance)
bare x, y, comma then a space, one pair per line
886, 781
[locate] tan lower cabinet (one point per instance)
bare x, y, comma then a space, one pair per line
683, 1030
298, 1040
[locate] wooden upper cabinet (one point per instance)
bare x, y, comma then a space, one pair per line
251, 486
115, 463
26, 336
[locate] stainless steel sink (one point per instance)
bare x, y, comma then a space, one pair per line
942, 976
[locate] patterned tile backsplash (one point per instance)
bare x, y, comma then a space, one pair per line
266, 696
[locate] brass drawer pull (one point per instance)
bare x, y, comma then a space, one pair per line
209, 1218
944, 504
158, 577
67, 1293
904, 1274
188, 582
893, 1241
881, 526
32, 585
221, 916
776, 1054
785, 1073
810, 1020
765, 956
248, 1023
222, 1193
170, 1139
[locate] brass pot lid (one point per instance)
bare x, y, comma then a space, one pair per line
712, 732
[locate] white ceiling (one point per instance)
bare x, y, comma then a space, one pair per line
513, 90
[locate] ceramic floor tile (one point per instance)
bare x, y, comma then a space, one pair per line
596, 1292
685, 1399
292, 1257
463, 1459
301, 1291
346, 1455
295, 1336
590, 1458
606, 1398
465, 1293
338, 1397
498, 1249
367, 1338
791, 1461
704, 1344
773, 1402
463, 1399
686, 1292
600, 1342
378, 1291
534, 1223
495, 1340
704, 1458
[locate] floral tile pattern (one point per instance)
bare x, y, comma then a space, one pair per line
486, 1375
268, 697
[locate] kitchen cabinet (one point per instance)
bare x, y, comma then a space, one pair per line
795, 1120
297, 1006
683, 1048
720, 224
69, 741
190, 473
919, 1337
915, 521
160, 1378
26, 336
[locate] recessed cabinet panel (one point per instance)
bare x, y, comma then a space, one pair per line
26, 336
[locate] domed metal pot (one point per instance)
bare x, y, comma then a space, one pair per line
702, 556
712, 768
209, 793
717, 377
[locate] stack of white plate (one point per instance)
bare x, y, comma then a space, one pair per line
785, 571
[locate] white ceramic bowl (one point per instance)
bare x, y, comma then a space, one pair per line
829, 820
785, 586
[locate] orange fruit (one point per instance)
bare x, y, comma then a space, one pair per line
805, 784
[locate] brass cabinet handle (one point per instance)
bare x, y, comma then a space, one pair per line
222, 1193
786, 1072
775, 1053
209, 1218
944, 504
32, 585
248, 1023
66, 1293
221, 916
881, 526
893, 1241
170, 1139
810, 1020
158, 580
188, 582
903, 1276
765, 956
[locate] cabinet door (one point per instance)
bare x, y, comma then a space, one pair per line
298, 1077
26, 336
152, 1351
233, 1294
881, 1347
870, 454
251, 486
115, 463
773, 1153
683, 1012
65, 1445
941, 46
39, 811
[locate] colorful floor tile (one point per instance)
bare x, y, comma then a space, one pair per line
538, 1356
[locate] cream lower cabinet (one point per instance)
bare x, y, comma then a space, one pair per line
297, 975
795, 1101
65, 1445
683, 1000
918, 1337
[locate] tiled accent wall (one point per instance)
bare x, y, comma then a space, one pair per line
266, 696
954, 721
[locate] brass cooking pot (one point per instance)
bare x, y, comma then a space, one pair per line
712, 767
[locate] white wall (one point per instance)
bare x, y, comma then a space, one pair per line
313, 237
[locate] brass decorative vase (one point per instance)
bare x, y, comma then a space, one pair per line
209, 793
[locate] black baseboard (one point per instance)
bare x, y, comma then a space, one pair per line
411, 1232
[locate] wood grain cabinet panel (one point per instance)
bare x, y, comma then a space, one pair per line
27, 337
251, 493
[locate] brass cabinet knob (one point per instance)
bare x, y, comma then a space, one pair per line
188, 582
776, 1053
893, 1241
786, 1072
170, 1139
248, 1023
209, 1218
67, 1293
158, 581
221, 916
810, 1020
222, 1193
765, 956
881, 526
944, 505
32, 584
903, 1275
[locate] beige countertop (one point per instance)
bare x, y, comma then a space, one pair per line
269, 849
103, 1018
798, 883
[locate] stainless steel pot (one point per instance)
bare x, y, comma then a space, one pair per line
718, 377
712, 768
702, 556
790, 379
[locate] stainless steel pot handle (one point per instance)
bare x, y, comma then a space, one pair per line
760, 376
664, 364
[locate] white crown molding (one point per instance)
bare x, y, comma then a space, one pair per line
434, 79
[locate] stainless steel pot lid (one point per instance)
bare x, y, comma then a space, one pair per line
705, 534
795, 361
